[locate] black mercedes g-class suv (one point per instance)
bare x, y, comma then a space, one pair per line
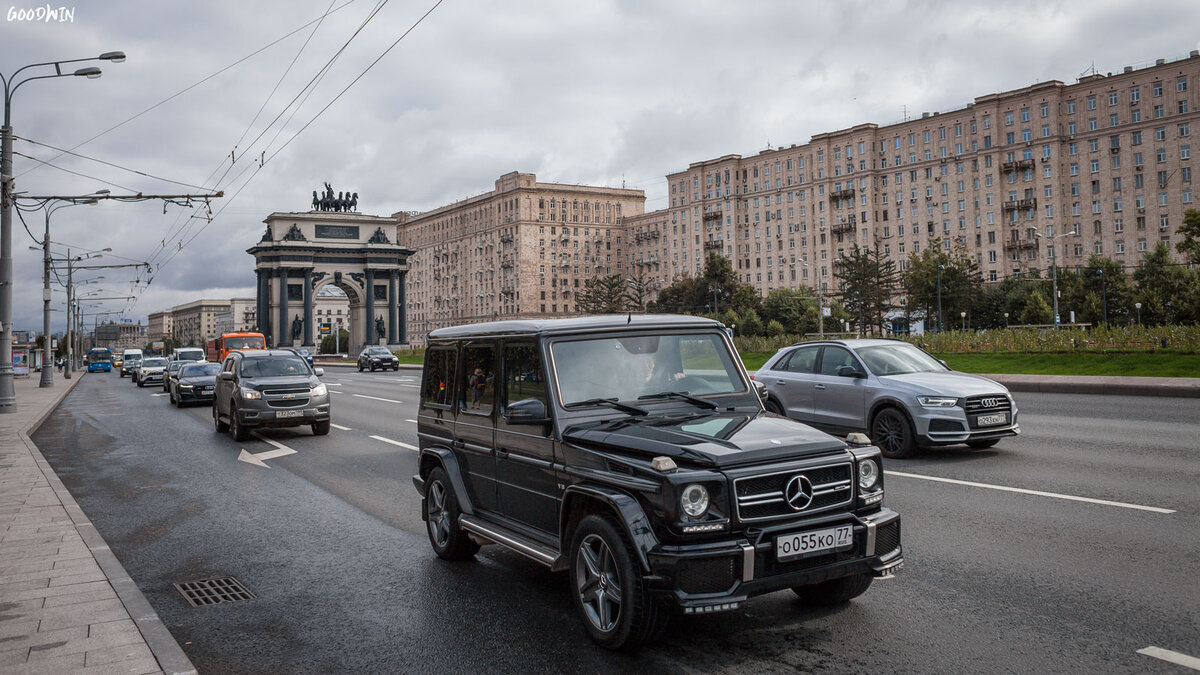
634, 453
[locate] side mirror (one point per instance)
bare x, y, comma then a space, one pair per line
850, 371
526, 411
319, 372
761, 389
943, 363
227, 375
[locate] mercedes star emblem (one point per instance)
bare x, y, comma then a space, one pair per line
798, 492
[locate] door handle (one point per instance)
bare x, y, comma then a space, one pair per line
780, 381
502, 453
819, 386
458, 444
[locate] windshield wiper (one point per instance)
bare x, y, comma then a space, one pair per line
610, 402
681, 395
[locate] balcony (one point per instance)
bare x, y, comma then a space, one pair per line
1017, 165
713, 245
506, 238
842, 227
848, 193
1020, 244
712, 215
1019, 204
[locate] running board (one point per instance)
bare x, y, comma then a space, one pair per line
509, 539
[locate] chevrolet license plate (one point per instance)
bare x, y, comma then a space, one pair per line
802, 544
289, 413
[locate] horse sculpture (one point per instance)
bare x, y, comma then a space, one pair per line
326, 201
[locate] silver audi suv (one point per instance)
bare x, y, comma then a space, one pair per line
898, 394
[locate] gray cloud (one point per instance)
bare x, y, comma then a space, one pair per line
589, 93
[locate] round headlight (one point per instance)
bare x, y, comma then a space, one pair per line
868, 474
694, 500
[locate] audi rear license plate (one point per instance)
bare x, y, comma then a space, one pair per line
989, 420
290, 413
801, 544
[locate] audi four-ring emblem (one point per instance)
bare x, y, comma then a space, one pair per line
989, 402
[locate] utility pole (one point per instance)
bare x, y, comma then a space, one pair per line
939, 296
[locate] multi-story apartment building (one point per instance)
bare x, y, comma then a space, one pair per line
1106, 161
522, 249
194, 323
158, 325
119, 336
239, 317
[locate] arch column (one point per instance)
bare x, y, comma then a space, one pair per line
371, 337
263, 309
392, 307
308, 307
283, 336
402, 310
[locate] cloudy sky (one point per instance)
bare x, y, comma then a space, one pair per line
598, 92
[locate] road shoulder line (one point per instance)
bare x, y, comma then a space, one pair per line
1024, 491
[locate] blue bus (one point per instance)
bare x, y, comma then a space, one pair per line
99, 359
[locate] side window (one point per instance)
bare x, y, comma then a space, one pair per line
802, 360
479, 379
229, 365
834, 358
523, 374
439, 375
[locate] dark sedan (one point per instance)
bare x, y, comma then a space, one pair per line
172, 372
194, 383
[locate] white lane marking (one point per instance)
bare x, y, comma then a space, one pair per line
258, 458
1104, 502
412, 421
335, 391
376, 398
160, 394
333, 384
403, 445
414, 386
1173, 657
338, 426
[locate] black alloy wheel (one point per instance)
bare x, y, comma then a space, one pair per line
236, 428
449, 541
220, 426
893, 434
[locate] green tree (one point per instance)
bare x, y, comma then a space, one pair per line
639, 288
719, 284
774, 328
1190, 229
603, 295
1106, 279
867, 282
1037, 310
793, 308
960, 281
328, 343
1164, 288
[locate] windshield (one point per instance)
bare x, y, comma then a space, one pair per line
899, 359
248, 342
196, 355
274, 366
175, 365
380, 351
631, 367
99, 356
200, 370
154, 363
133, 357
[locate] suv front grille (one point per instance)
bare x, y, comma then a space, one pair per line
286, 397
975, 404
762, 497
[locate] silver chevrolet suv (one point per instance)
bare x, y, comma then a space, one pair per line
269, 388
899, 395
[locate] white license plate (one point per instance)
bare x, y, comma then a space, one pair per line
290, 413
801, 544
988, 420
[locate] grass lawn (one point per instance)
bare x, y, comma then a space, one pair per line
1139, 364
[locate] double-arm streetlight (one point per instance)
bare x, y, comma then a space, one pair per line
48, 208
939, 295
820, 308
8, 399
1054, 266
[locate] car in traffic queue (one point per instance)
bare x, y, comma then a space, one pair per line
634, 454
194, 383
171, 370
130, 360
269, 388
899, 395
373, 358
117, 362
150, 370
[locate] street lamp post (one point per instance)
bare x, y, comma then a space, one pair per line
1006, 319
939, 294
858, 301
1103, 294
1138, 305
8, 398
1054, 269
963, 315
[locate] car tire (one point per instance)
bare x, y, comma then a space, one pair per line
982, 445
220, 426
440, 507
321, 428
360, 368
834, 591
171, 398
601, 558
892, 433
773, 407
237, 429
396, 368
141, 384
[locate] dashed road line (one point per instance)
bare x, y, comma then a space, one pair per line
1171, 657
160, 394
376, 398
403, 445
1039, 493
338, 426
333, 384
412, 421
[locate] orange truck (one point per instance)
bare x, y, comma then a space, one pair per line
219, 348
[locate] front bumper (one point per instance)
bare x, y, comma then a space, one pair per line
717, 576
951, 426
269, 417
192, 395
147, 378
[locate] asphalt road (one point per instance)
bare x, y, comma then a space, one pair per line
330, 541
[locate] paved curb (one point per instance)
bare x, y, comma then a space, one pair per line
403, 366
1182, 387
162, 644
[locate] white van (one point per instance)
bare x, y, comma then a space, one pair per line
188, 354
130, 360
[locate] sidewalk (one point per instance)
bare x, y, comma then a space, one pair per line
1184, 387
66, 603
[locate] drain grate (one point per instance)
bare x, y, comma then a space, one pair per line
207, 592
